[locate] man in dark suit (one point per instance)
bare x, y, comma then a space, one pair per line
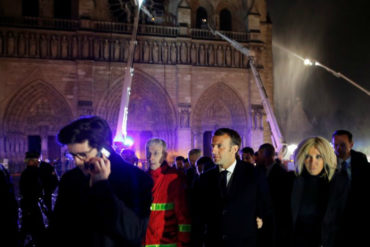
230, 197
280, 185
354, 164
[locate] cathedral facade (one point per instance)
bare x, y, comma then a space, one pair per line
62, 59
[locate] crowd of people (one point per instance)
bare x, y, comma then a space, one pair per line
237, 198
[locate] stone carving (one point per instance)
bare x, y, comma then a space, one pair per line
55, 45
219, 105
257, 117
184, 115
10, 46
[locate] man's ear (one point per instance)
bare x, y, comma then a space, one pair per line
351, 144
235, 148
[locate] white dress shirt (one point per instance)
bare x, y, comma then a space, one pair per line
229, 170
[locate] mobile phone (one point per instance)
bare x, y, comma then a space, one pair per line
101, 152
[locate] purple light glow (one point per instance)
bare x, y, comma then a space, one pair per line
128, 141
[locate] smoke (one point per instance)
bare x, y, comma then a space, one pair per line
309, 100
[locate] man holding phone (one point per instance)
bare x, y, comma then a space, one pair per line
104, 201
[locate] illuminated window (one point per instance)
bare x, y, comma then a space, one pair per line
201, 18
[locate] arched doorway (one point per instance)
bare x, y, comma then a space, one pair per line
201, 17
219, 106
225, 20
32, 119
151, 113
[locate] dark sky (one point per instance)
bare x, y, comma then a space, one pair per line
309, 100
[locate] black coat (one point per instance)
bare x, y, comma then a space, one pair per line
8, 211
357, 207
230, 220
332, 220
308, 206
280, 184
110, 213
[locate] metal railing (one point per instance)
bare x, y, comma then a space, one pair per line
206, 34
114, 27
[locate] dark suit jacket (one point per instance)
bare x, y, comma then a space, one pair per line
230, 220
356, 210
280, 186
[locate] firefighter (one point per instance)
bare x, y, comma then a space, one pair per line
169, 223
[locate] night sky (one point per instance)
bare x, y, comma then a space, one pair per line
309, 100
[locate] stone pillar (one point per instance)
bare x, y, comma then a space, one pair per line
85, 81
2, 147
44, 147
257, 126
183, 131
44, 141
184, 14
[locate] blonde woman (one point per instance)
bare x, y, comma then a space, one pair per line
316, 196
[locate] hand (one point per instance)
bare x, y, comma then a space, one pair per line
259, 223
98, 168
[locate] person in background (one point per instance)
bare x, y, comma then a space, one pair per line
247, 154
280, 186
31, 190
179, 163
169, 223
129, 156
9, 211
203, 164
356, 168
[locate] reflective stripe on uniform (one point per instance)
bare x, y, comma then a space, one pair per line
161, 245
184, 227
162, 207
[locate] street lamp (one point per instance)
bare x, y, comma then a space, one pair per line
308, 62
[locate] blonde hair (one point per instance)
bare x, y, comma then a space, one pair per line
324, 148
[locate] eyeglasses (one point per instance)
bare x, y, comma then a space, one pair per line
82, 156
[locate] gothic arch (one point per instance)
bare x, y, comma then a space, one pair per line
219, 106
150, 107
207, 6
36, 106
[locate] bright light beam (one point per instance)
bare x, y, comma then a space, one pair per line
340, 75
140, 2
309, 62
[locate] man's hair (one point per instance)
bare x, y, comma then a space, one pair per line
180, 158
325, 150
93, 129
235, 137
194, 151
269, 150
206, 161
248, 150
343, 132
157, 141
32, 155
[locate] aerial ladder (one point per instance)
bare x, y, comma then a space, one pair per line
276, 137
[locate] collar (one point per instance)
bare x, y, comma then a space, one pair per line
230, 169
348, 161
269, 168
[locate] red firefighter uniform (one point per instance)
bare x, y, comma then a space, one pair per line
169, 222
